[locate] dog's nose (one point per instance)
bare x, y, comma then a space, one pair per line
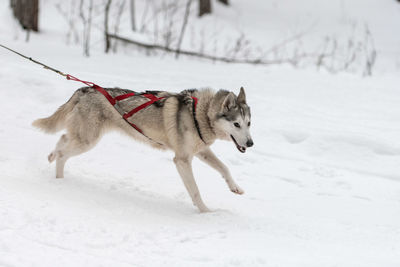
249, 143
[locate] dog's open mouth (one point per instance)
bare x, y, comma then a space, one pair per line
240, 148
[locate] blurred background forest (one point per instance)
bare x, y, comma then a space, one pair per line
336, 36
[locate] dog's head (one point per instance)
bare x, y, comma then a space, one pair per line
232, 120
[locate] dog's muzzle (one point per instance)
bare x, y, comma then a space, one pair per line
239, 147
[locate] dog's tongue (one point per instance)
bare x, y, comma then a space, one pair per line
240, 148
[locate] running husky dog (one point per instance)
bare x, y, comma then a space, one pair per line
187, 123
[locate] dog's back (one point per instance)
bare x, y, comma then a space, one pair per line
87, 115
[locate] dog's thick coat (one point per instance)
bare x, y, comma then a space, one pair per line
168, 124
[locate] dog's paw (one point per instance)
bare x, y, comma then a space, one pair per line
237, 190
203, 208
51, 157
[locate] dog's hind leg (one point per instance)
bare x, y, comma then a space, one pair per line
84, 129
184, 167
211, 159
60, 144
74, 146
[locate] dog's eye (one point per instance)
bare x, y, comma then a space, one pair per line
248, 124
237, 125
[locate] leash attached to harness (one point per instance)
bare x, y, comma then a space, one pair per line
114, 100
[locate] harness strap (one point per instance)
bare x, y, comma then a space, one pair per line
142, 106
95, 86
122, 97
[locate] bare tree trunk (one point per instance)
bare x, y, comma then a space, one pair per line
133, 18
144, 16
118, 21
106, 13
226, 2
28, 34
27, 13
87, 46
204, 7
185, 21
87, 25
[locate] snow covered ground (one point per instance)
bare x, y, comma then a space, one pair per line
322, 182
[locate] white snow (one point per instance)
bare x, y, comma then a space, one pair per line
322, 183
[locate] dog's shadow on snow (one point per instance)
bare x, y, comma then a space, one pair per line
130, 203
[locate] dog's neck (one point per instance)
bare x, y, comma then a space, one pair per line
208, 133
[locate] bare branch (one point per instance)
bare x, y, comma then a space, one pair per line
70, 19
209, 57
118, 21
106, 13
185, 21
132, 11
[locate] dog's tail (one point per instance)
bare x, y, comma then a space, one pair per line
56, 122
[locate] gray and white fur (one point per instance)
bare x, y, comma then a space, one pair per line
169, 124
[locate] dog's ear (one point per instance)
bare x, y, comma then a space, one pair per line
242, 96
229, 102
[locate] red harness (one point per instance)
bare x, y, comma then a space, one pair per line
114, 102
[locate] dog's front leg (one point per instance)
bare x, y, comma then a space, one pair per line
184, 167
211, 159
